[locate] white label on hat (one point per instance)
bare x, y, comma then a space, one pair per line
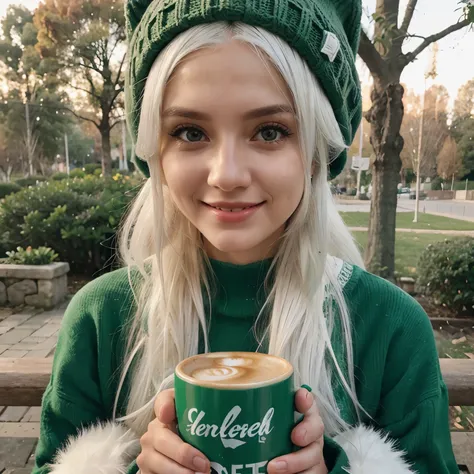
331, 45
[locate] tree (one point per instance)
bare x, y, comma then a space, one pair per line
464, 103
30, 109
386, 61
449, 162
462, 128
435, 129
85, 43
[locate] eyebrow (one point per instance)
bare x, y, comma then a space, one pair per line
252, 114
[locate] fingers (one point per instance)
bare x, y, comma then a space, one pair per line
311, 428
310, 457
156, 463
164, 441
165, 407
304, 401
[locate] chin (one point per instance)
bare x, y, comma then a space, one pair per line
234, 244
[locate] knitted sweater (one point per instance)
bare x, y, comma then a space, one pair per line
397, 374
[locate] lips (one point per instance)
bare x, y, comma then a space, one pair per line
233, 207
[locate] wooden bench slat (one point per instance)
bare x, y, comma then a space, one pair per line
459, 377
23, 381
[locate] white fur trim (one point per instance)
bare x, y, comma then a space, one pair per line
371, 452
102, 449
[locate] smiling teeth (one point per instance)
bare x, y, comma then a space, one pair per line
232, 210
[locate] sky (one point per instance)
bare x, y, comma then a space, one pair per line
456, 51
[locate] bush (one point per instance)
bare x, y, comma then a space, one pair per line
30, 256
98, 172
461, 186
77, 173
436, 184
59, 176
30, 181
8, 188
91, 167
77, 218
351, 192
446, 272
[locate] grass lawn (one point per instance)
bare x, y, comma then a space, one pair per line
408, 247
405, 221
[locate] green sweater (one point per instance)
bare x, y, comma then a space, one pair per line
397, 371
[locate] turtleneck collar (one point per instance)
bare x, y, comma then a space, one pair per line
238, 291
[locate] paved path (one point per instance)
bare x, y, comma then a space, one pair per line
24, 332
422, 231
463, 210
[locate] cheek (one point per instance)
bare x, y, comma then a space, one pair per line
287, 185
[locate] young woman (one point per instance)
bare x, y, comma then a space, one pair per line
241, 110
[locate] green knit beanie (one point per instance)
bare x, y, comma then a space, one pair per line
325, 33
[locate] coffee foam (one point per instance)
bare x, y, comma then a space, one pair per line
234, 369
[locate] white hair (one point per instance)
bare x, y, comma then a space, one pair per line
166, 250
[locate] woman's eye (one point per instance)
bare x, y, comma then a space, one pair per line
272, 134
188, 134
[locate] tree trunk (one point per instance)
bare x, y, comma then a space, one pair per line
106, 156
385, 118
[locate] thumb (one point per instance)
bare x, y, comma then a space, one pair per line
165, 407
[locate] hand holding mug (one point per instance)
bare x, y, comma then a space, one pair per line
163, 451
308, 434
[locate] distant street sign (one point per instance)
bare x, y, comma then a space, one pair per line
360, 164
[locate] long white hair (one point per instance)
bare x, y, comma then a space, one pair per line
165, 253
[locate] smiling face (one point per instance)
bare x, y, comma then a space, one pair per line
230, 151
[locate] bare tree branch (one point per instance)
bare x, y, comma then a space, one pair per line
115, 123
87, 91
119, 73
409, 57
371, 56
79, 116
408, 16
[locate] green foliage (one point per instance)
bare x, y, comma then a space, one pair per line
90, 168
30, 256
8, 188
30, 181
436, 183
59, 176
77, 173
77, 218
461, 185
446, 272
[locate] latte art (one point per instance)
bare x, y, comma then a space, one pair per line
234, 369
215, 373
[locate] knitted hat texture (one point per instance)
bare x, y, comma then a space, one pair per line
325, 33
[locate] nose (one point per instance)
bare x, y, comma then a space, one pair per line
229, 168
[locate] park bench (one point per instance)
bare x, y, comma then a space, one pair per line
23, 381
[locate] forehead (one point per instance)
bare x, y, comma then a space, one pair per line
231, 76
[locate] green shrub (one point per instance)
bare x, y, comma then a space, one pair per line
30, 256
77, 173
436, 183
8, 188
461, 186
77, 218
446, 272
351, 192
98, 172
30, 181
91, 167
59, 176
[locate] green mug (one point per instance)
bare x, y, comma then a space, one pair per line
237, 408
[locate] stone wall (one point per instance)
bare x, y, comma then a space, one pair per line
41, 286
